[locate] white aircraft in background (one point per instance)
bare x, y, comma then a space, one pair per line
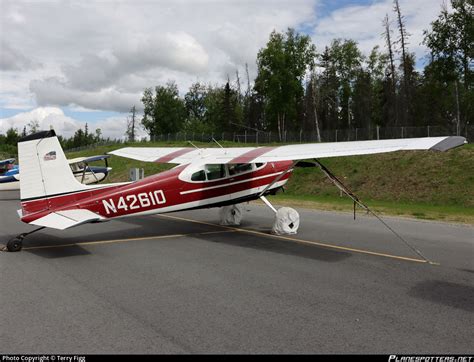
85, 174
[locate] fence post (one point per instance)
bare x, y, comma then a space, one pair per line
428, 129
245, 138
356, 134
256, 137
336, 134
269, 136
403, 128
378, 133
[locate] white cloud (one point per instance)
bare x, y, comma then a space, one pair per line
54, 91
54, 118
11, 59
172, 51
47, 117
114, 128
101, 54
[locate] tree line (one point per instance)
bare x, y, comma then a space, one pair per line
298, 88
82, 137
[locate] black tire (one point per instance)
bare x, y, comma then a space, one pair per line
14, 245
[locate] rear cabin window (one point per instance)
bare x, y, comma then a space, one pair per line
237, 168
214, 172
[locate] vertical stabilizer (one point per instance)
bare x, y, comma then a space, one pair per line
44, 169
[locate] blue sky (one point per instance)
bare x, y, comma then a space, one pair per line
69, 62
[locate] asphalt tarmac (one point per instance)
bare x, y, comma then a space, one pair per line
180, 283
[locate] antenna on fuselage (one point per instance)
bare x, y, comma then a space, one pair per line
217, 142
194, 145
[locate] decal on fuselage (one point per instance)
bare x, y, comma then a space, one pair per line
134, 202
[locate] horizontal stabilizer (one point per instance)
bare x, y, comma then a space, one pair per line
67, 219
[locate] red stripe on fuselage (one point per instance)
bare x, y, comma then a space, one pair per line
54, 202
173, 155
249, 156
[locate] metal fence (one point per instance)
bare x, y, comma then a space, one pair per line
334, 135
94, 145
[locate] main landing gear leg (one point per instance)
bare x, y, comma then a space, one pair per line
287, 220
16, 243
264, 199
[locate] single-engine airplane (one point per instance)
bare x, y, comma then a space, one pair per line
83, 172
52, 197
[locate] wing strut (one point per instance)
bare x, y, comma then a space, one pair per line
357, 201
277, 178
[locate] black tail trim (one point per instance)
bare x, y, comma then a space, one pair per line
38, 135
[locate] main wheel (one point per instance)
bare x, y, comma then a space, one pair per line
14, 244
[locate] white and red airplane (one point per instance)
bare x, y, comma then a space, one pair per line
52, 197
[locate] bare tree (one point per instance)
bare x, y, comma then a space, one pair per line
315, 111
33, 126
392, 76
388, 42
402, 40
131, 125
237, 83
248, 79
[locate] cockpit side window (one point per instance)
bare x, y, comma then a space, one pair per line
198, 176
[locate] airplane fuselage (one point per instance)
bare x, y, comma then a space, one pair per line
168, 191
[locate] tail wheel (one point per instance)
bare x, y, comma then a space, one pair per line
14, 245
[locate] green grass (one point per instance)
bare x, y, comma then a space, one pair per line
421, 184
450, 213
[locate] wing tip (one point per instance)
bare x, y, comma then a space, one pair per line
449, 143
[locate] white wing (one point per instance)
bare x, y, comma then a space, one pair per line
285, 153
